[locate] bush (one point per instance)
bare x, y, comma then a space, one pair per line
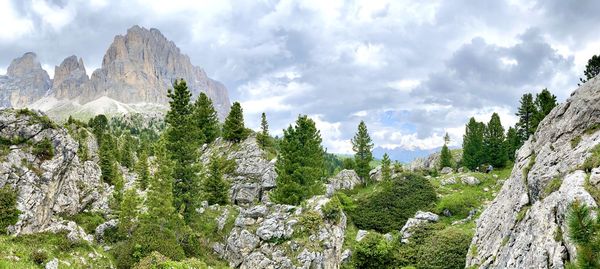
388, 209
332, 210
44, 149
593, 160
445, 249
9, 214
145, 240
39, 256
310, 222
373, 251
459, 203
88, 220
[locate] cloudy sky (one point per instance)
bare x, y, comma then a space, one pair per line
412, 70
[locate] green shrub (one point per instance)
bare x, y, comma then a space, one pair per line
332, 210
388, 209
88, 220
39, 256
9, 214
584, 231
145, 240
373, 251
593, 160
592, 129
44, 149
552, 186
445, 249
575, 141
310, 222
459, 203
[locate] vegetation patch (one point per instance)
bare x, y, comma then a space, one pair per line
593, 160
592, 129
459, 203
575, 141
9, 214
522, 213
552, 186
87, 220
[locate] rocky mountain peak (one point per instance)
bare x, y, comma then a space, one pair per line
25, 82
70, 78
25, 65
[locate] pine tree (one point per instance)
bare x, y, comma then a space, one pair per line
512, 143
160, 190
234, 129
445, 154
143, 170
592, 69
493, 142
584, 231
544, 102
182, 145
300, 166
107, 159
205, 119
263, 136
386, 170
128, 213
526, 113
215, 188
127, 150
473, 144
362, 146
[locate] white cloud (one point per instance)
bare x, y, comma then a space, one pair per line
57, 17
14, 25
333, 138
370, 55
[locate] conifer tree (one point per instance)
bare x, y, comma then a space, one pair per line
160, 190
512, 143
544, 102
592, 69
584, 231
386, 170
127, 151
263, 136
107, 159
215, 188
473, 144
362, 146
143, 170
128, 213
300, 166
526, 113
205, 119
445, 154
234, 129
493, 141
182, 146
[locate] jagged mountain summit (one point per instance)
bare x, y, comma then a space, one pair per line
136, 72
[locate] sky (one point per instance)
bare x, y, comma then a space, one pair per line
412, 70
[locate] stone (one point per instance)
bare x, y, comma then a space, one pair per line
74, 232
360, 235
259, 211
447, 213
99, 232
546, 155
344, 180
448, 181
595, 177
470, 180
346, 255
53, 264
463, 170
446, 170
222, 219
419, 219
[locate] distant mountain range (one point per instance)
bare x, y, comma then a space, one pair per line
136, 72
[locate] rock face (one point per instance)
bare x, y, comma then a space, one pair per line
344, 180
70, 79
25, 82
525, 225
141, 65
47, 187
253, 177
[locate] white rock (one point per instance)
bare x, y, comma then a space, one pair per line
446, 170
470, 180
53, 264
360, 235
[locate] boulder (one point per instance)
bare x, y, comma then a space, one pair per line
344, 180
419, 219
360, 235
470, 180
446, 170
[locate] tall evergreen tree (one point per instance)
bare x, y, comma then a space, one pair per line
263, 135
182, 146
544, 102
234, 129
473, 144
143, 170
215, 188
301, 163
128, 213
127, 150
445, 154
512, 143
362, 146
386, 169
493, 141
160, 190
205, 119
526, 113
592, 69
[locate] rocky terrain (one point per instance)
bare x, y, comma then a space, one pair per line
136, 72
525, 225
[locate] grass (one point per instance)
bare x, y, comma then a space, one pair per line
552, 186
522, 213
28, 248
575, 141
592, 129
87, 220
593, 160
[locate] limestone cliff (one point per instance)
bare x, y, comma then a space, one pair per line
525, 227
70, 79
24, 82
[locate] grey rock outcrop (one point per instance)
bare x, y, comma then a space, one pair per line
344, 180
24, 83
47, 187
519, 228
70, 79
419, 219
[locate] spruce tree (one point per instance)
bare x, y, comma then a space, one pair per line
263, 136
584, 231
362, 146
386, 170
473, 144
592, 69
182, 145
300, 166
234, 129
160, 190
127, 150
107, 159
445, 154
526, 113
128, 213
205, 119
493, 141
215, 188
512, 143
544, 102
143, 170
